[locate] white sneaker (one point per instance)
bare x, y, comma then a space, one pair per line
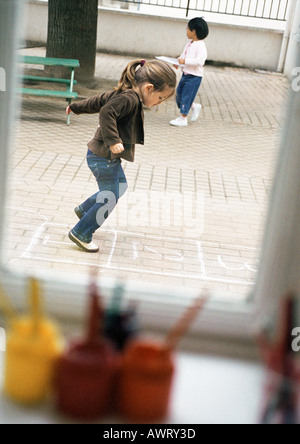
180, 121
196, 111
90, 248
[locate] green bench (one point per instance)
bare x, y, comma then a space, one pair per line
68, 94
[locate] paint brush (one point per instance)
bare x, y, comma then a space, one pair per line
94, 322
116, 301
94, 326
184, 322
34, 302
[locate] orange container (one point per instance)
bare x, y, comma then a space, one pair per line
146, 377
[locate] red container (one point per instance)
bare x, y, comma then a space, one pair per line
85, 373
146, 376
84, 380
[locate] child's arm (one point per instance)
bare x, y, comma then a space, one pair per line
91, 105
181, 59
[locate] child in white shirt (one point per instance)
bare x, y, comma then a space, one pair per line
193, 58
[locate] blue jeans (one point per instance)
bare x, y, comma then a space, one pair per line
112, 185
186, 92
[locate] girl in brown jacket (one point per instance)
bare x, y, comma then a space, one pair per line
121, 126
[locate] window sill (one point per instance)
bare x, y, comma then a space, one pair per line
206, 390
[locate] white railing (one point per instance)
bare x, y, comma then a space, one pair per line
264, 9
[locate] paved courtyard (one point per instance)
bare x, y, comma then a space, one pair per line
194, 213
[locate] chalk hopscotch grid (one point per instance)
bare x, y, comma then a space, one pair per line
41, 236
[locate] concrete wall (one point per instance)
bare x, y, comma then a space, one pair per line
127, 32
36, 21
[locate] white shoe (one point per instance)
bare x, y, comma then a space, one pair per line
196, 111
180, 121
90, 248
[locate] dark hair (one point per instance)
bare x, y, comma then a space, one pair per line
200, 26
157, 72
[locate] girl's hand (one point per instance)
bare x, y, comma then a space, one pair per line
68, 110
181, 61
175, 66
117, 148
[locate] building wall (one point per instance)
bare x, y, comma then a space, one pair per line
127, 32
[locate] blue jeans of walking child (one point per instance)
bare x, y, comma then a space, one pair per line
112, 185
186, 92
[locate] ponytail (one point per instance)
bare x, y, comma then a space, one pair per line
157, 72
127, 80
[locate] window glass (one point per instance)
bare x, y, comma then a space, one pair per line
195, 211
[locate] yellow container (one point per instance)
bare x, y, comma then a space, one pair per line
31, 354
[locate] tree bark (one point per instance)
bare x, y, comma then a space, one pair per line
72, 34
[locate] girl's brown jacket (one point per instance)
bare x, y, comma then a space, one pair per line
121, 120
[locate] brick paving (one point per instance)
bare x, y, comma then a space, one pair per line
195, 209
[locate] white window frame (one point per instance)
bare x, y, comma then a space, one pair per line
160, 306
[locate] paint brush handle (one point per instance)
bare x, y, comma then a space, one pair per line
183, 324
117, 299
95, 315
35, 304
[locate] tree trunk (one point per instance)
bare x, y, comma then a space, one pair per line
72, 34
